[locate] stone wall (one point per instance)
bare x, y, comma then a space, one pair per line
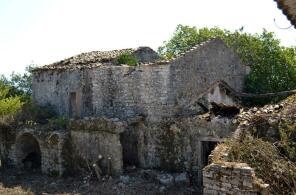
63, 152
223, 177
195, 71
98, 141
177, 145
230, 178
54, 88
156, 91
125, 92
48, 144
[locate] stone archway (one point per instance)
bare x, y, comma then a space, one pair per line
28, 153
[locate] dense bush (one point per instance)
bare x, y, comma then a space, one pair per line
9, 105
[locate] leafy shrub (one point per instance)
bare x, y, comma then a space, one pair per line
127, 59
9, 105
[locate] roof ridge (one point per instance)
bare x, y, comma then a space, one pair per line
95, 56
196, 46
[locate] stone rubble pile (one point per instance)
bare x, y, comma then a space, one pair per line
251, 116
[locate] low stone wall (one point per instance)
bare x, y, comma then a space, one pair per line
221, 177
230, 178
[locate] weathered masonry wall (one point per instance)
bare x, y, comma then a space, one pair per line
222, 177
178, 145
66, 153
125, 92
111, 91
49, 149
155, 91
230, 178
55, 87
193, 72
98, 141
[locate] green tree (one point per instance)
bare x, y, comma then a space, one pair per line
20, 84
23, 82
9, 105
272, 65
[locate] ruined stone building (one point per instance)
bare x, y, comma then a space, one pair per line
152, 115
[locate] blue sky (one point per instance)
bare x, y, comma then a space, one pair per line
45, 31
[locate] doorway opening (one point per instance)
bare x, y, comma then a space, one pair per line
207, 148
129, 143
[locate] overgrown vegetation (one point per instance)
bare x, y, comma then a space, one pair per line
15, 92
269, 164
9, 105
127, 59
287, 142
268, 144
272, 65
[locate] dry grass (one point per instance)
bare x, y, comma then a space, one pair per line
18, 190
267, 161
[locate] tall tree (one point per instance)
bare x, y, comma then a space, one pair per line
20, 84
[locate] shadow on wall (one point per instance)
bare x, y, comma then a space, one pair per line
129, 142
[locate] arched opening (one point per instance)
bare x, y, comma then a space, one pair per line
28, 152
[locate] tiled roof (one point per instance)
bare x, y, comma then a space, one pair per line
289, 9
89, 59
102, 58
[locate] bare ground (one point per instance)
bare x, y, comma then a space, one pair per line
19, 182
